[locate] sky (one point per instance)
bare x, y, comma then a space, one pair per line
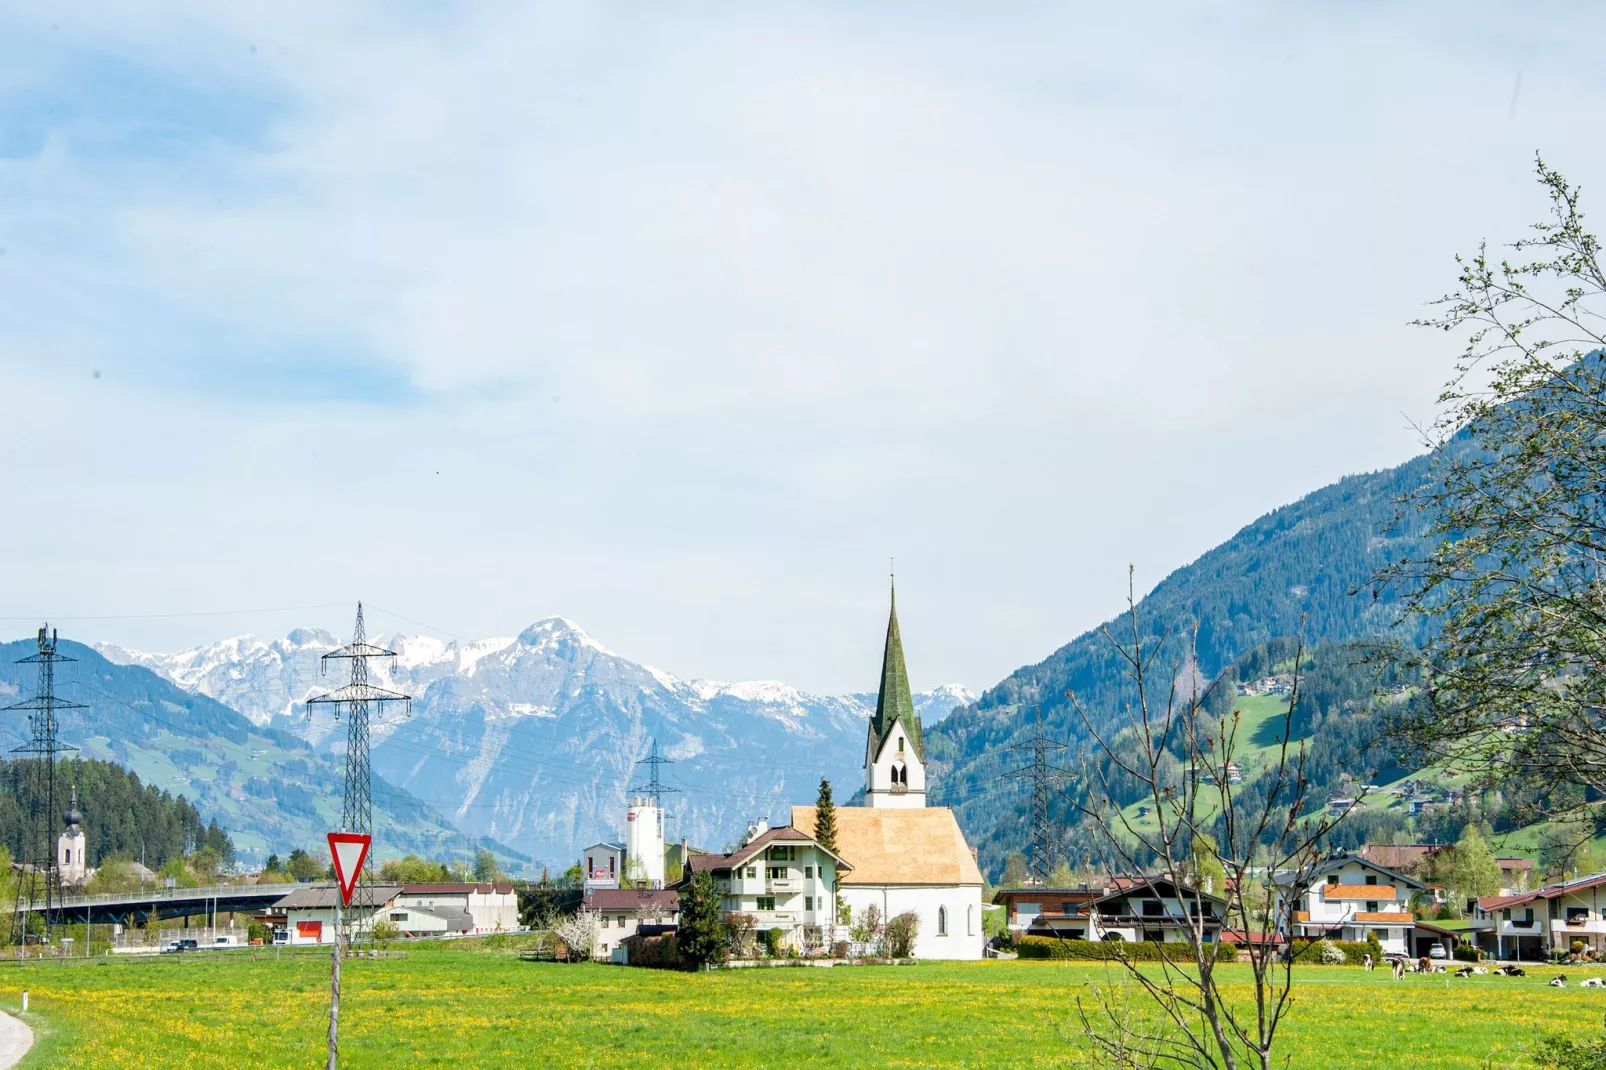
681, 321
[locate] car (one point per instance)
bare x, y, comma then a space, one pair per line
1437, 952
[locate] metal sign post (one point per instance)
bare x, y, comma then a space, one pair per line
349, 849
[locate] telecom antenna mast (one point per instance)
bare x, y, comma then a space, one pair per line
39, 882
354, 701
1042, 776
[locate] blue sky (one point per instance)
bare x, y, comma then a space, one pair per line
679, 323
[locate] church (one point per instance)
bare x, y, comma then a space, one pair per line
905, 855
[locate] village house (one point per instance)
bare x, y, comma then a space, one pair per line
1346, 897
782, 879
1533, 925
1153, 909
489, 907
623, 912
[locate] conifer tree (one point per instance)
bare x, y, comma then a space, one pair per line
825, 818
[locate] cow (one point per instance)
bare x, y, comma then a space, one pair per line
1594, 982
1424, 965
1465, 971
1559, 981
1480, 970
1511, 971
1366, 962
1399, 969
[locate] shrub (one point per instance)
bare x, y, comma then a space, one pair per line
901, 933
1465, 952
771, 939
1330, 955
1374, 947
840, 949
1050, 947
1310, 951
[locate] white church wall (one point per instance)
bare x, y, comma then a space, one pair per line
964, 938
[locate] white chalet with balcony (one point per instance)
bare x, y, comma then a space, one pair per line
783, 878
1347, 897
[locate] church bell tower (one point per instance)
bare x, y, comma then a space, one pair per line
895, 754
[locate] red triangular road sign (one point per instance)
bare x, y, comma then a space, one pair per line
349, 850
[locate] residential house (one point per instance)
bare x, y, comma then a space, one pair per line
1532, 925
1023, 906
623, 912
782, 878
1135, 909
491, 908
1346, 897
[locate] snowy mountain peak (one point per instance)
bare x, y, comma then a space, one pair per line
555, 632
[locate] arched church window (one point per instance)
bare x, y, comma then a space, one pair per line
970, 921
942, 921
900, 744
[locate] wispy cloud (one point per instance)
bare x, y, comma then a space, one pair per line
697, 317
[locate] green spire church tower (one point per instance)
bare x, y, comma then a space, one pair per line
895, 754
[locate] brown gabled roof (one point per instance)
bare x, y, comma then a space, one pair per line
779, 834
1553, 891
617, 899
921, 845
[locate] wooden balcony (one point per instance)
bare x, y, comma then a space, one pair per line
1359, 891
1391, 917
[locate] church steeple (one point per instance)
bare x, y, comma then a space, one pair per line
894, 702
895, 752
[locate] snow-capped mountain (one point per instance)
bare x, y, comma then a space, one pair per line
535, 740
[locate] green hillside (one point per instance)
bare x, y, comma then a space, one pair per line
1307, 561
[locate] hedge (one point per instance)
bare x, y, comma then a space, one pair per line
1355, 952
1050, 947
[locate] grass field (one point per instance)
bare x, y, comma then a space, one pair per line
467, 1008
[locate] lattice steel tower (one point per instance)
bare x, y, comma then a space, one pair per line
654, 788
1042, 775
39, 882
355, 701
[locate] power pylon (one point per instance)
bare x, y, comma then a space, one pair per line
654, 788
39, 878
355, 700
1042, 774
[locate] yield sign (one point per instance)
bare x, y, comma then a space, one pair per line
349, 850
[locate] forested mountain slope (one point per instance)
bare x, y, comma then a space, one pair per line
1306, 561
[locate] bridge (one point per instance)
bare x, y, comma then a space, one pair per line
165, 903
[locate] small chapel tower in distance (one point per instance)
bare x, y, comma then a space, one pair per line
71, 860
895, 755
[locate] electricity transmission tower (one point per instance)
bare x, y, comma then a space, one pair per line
39, 879
654, 788
1042, 776
354, 701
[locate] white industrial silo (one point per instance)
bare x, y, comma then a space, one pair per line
644, 842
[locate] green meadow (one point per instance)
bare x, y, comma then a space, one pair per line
452, 1006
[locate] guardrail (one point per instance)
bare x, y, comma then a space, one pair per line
167, 895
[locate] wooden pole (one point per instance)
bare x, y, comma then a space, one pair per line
334, 992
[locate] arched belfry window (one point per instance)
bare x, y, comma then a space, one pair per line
942, 921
